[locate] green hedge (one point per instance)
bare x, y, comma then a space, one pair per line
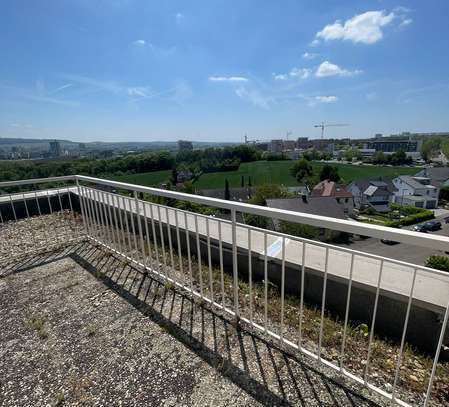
407, 209
297, 229
410, 220
412, 215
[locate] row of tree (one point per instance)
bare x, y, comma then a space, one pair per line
197, 161
398, 158
145, 162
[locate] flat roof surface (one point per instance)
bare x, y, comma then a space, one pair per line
109, 335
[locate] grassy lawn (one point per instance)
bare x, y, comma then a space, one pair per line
148, 179
277, 172
263, 172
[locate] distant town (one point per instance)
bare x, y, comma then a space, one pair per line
291, 148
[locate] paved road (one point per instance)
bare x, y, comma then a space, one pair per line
400, 251
430, 287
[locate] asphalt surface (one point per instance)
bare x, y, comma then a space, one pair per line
402, 251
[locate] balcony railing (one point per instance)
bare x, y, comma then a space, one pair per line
269, 281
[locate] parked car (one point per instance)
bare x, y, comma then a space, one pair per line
420, 228
433, 225
428, 226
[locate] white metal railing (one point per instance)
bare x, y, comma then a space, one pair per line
181, 247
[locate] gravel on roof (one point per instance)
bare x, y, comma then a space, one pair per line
81, 327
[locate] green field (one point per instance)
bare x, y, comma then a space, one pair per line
277, 172
148, 179
262, 172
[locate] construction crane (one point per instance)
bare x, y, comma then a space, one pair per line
323, 125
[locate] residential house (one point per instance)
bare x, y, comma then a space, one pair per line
324, 206
439, 176
339, 193
416, 191
319, 205
376, 194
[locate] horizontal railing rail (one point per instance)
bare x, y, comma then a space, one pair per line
210, 257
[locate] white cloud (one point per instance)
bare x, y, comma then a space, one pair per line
138, 91
280, 77
363, 28
309, 55
96, 84
67, 85
326, 99
179, 17
406, 22
329, 69
302, 73
227, 79
21, 126
255, 97
139, 43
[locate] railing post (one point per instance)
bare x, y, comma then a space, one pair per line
437, 356
139, 224
83, 213
234, 263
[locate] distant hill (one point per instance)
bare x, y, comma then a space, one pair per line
36, 144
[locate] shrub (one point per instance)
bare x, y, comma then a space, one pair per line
412, 215
296, 229
438, 262
444, 193
256, 221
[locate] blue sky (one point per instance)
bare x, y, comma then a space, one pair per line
117, 70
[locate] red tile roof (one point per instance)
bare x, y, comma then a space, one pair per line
330, 188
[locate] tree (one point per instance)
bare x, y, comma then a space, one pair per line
430, 146
268, 191
352, 153
444, 193
301, 169
329, 172
174, 176
227, 193
312, 155
379, 157
249, 181
438, 262
242, 183
264, 192
399, 158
